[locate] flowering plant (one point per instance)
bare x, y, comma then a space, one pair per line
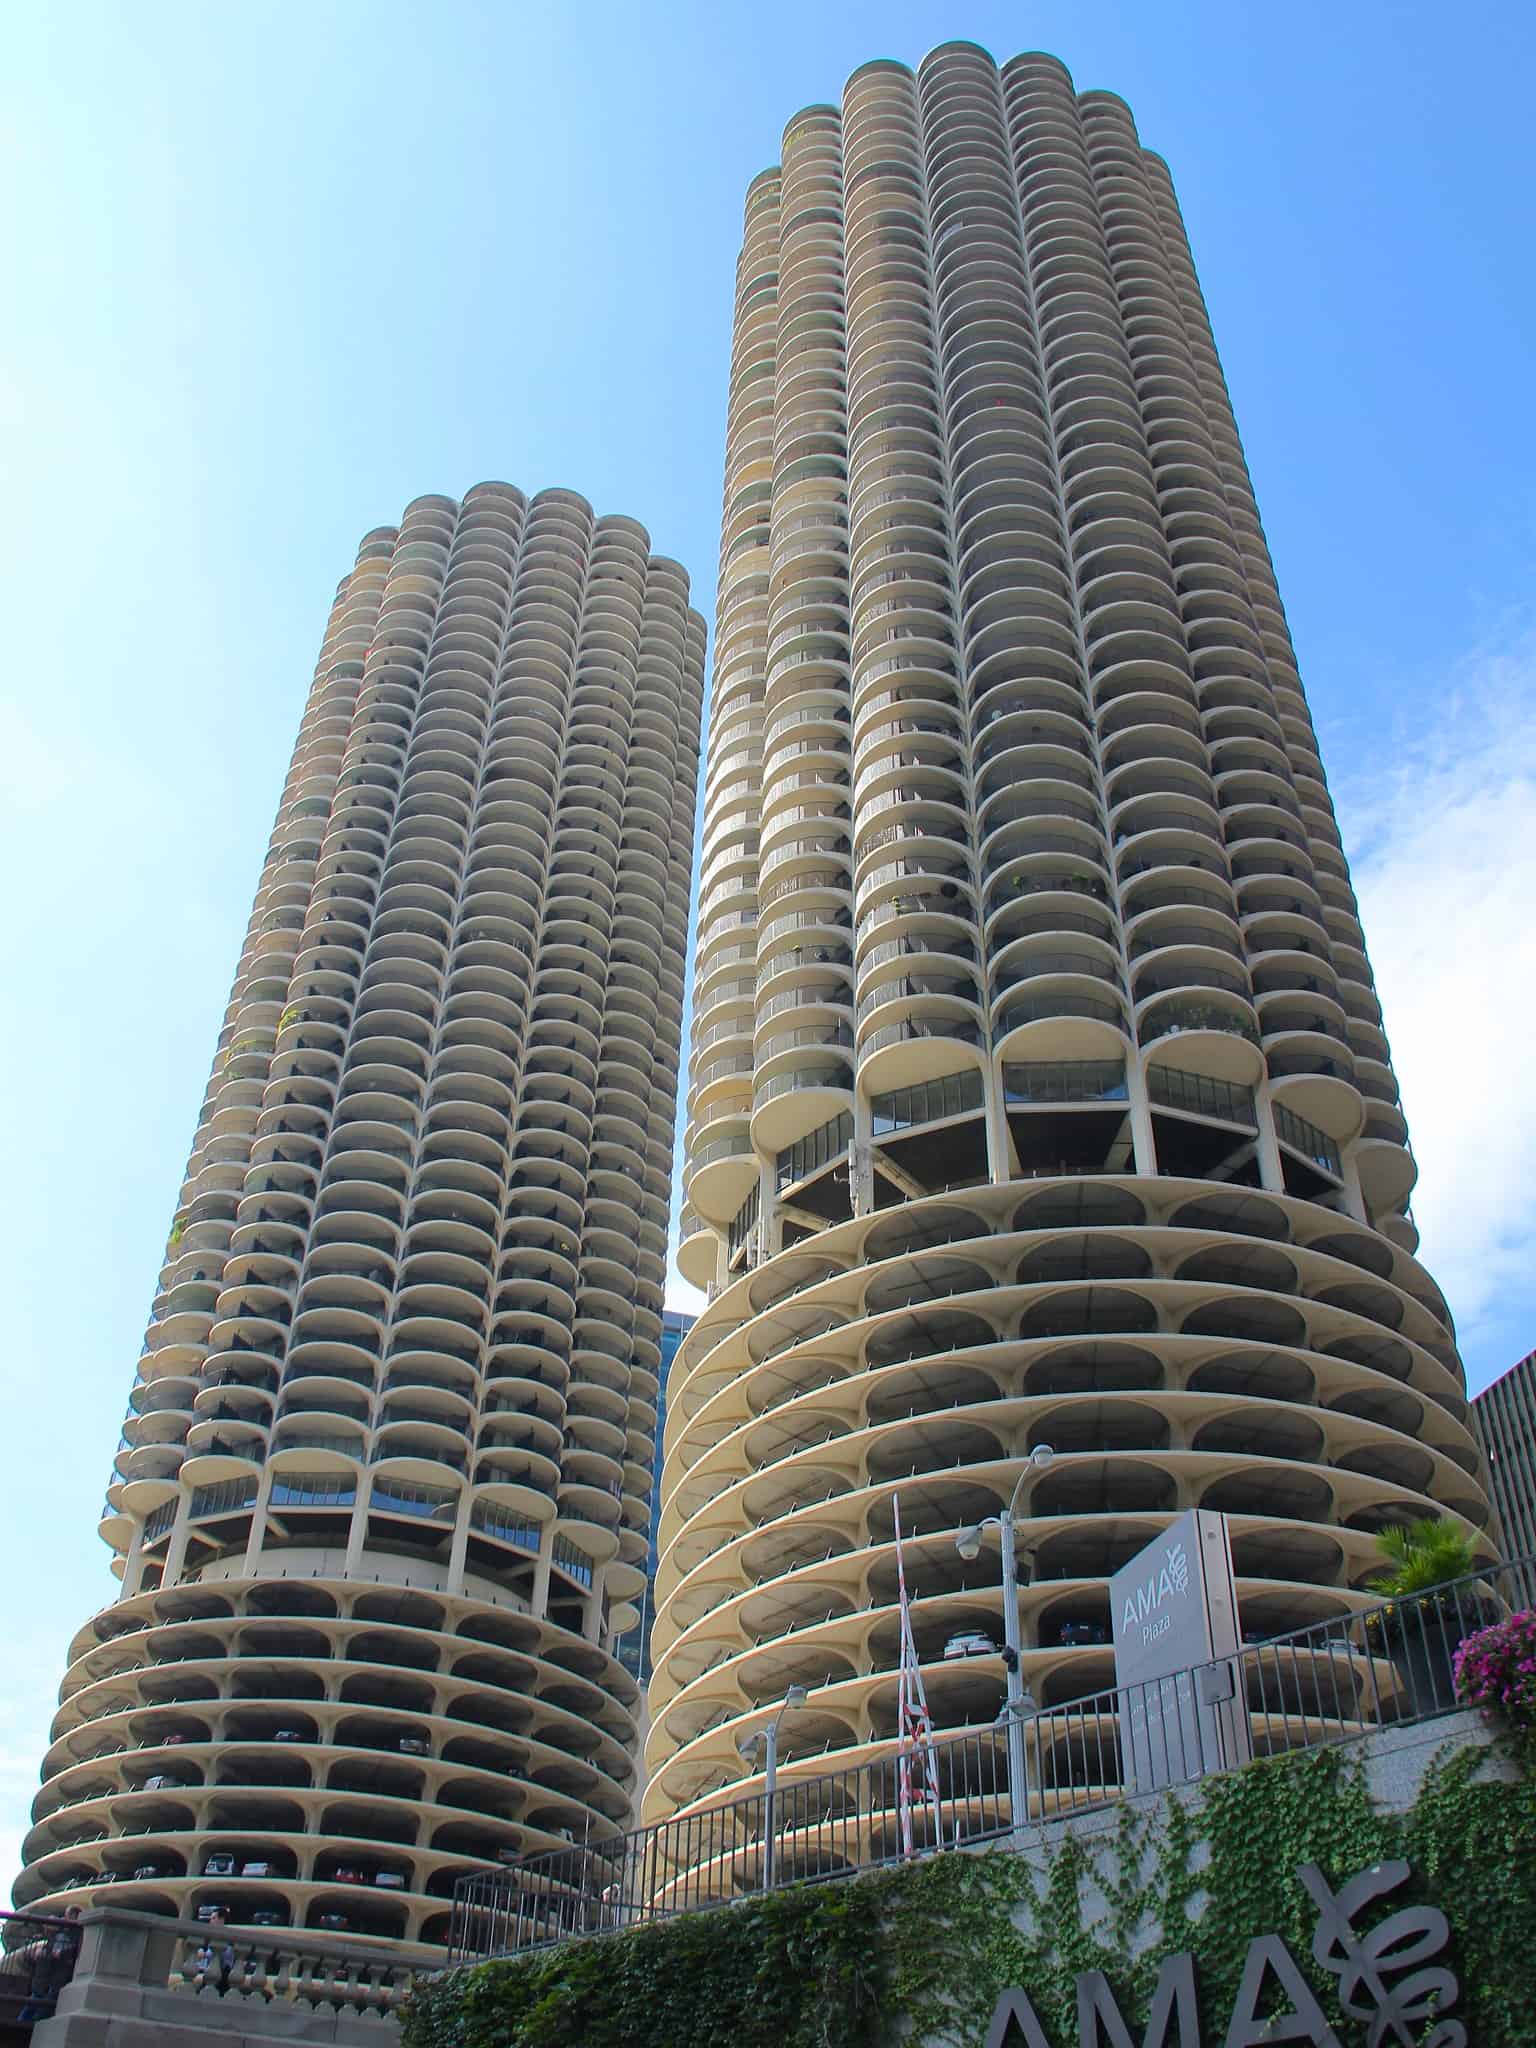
1496, 1670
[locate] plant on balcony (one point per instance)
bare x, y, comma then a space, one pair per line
1496, 1672
1422, 1555
1420, 1627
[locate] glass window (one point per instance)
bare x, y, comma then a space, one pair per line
1199, 1095
949, 1095
1030, 1083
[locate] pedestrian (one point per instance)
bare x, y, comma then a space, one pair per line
221, 1947
53, 1964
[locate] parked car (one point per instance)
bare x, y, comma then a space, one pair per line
258, 1870
219, 1865
972, 1642
415, 1745
163, 1781
207, 1911
143, 1870
290, 1735
390, 1881
265, 1916
336, 1923
344, 1873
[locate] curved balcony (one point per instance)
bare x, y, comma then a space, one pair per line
1221, 1358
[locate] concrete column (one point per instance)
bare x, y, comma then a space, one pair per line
258, 1535
358, 1532
768, 1231
999, 1151
1271, 1172
538, 1599
133, 1563
460, 1544
592, 1615
176, 1549
861, 1164
122, 1955
1354, 1196
1143, 1143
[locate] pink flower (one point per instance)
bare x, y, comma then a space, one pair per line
1495, 1669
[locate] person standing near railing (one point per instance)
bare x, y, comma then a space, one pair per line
53, 1964
217, 1954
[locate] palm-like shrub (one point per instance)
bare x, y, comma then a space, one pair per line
1421, 1556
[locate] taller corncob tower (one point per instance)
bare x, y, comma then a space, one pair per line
1039, 1092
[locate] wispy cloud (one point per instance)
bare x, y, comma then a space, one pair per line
1442, 835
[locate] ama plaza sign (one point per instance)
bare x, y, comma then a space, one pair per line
1173, 1610
1173, 1614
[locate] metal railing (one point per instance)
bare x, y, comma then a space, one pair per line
37, 1959
1380, 1666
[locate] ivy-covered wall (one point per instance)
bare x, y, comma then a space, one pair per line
920, 1954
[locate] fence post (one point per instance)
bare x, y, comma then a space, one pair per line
122, 1955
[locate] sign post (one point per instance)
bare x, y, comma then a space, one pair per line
1173, 1613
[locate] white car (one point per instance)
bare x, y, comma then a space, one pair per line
970, 1643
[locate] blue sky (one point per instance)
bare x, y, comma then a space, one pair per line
273, 270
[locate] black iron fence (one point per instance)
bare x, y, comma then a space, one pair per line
1382, 1665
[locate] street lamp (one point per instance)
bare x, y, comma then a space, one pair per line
769, 1739
1019, 1701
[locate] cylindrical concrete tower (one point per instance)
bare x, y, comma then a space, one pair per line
1039, 1092
382, 1497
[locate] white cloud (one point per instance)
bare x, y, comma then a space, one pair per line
1442, 835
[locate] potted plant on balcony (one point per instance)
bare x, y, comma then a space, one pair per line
1422, 1626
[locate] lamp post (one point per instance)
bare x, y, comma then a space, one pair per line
769, 1738
1018, 1702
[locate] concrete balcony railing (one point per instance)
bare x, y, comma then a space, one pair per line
195, 1985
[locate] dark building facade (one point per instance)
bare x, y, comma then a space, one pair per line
1505, 1415
634, 1652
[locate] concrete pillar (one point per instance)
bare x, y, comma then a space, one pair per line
861, 1164
767, 1236
358, 1531
994, 1104
1143, 1142
592, 1611
1271, 1171
258, 1535
460, 1544
122, 1955
133, 1563
176, 1549
1354, 1195
538, 1599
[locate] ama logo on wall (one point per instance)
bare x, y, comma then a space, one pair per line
1169, 1581
1143, 1604
1391, 1979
